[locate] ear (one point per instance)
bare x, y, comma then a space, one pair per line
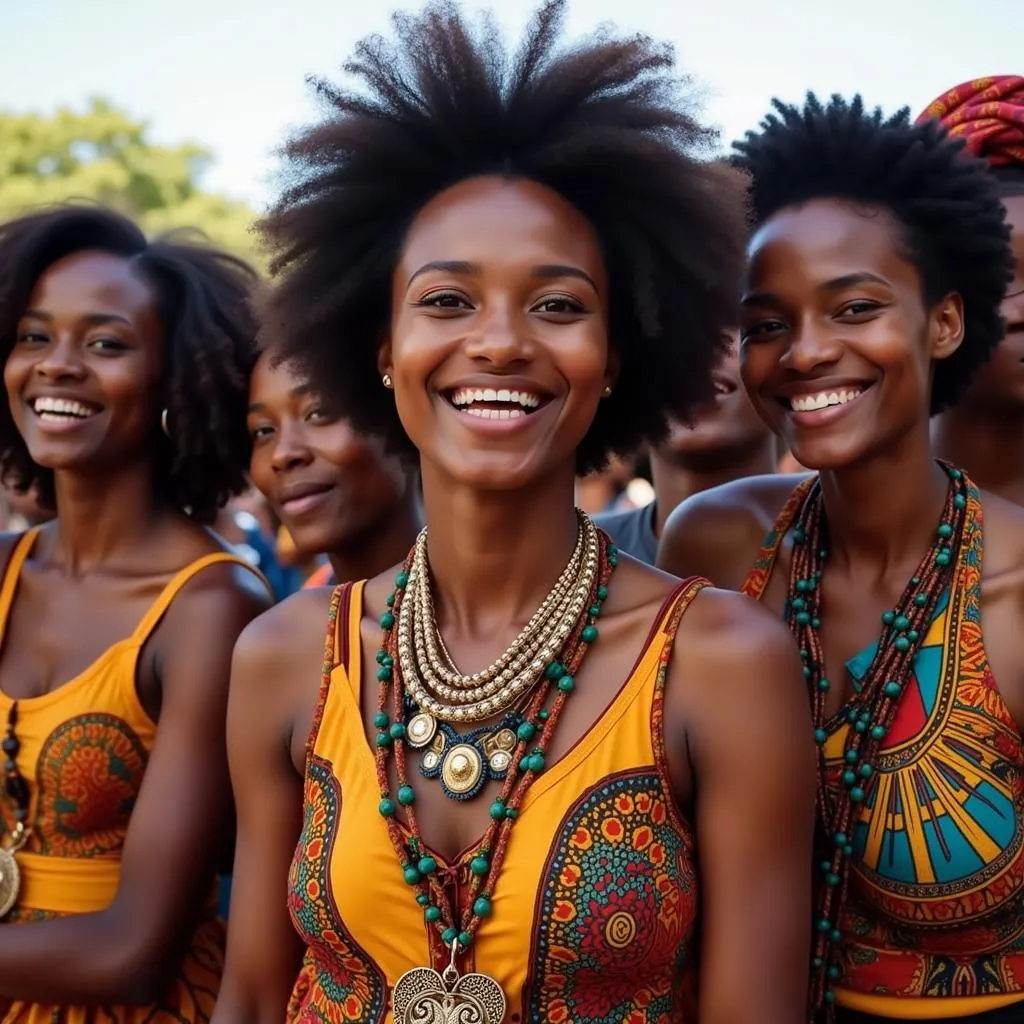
947, 327
384, 363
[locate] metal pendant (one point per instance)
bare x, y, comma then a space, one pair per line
422, 996
420, 730
10, 882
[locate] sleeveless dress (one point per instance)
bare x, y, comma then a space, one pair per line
933, 927
84, 748
594, 911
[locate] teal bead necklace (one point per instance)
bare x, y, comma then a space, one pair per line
871, 711
540, 717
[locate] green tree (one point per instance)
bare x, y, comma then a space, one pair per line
104, 155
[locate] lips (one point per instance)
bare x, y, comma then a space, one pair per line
61, 409
301, 497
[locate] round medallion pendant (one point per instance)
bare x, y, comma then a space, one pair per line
10, 882
462, 769
420, 730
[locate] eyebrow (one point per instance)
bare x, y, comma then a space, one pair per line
837, 284
545, 270
300, 390
93, 319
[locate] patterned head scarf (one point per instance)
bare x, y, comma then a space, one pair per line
988, 114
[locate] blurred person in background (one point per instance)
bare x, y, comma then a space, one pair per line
984, 432
125, 366
20, 510
727, 441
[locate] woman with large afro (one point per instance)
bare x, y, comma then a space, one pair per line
498, 794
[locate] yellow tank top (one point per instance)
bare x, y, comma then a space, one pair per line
594, 912
84, 748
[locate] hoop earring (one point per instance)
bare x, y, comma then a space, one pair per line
163, 425
386, 381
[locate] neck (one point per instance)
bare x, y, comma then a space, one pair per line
384, 545
882, 513
494, 556
99, 515
675, 481
989, 445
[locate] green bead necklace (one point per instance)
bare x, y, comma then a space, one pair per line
419, 867
871, 711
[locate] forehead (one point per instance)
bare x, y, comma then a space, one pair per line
273, 378
501, 222
825, 239
88, 282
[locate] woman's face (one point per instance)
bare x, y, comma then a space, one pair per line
498, 349
83, 374
837, 344
328, 485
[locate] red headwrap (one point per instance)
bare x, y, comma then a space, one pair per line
988, 114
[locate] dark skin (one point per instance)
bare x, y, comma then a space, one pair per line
335, 492
832, 304
525, 305
727, 442
92, 335
984, 432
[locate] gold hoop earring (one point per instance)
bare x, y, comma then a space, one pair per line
163, 424
386, 381
607, 392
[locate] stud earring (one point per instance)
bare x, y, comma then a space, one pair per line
386, 381
163, 424
607, 392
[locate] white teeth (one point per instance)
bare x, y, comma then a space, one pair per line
61, 409
495, 414
808, 403
464, 398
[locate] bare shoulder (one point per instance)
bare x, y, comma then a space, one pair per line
1004, 535
718, 533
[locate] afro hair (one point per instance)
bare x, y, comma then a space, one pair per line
945, 201
607, 124
203, 298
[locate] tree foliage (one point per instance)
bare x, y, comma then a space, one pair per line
104, 155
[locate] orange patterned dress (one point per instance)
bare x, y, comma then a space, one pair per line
84, 749
595, 910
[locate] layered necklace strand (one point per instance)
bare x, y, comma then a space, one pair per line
870, 713
16, 789
557, 647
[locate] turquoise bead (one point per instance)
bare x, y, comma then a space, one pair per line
824, 925
602, 593
902, 644
803, 586
834, 973
383, 739
836, 935
799, 536
497, 810
860, 726
613, 560
849, 777
406, 795
381, 655
511, 813
852, 757
820, 736
945, 531
888, 618
397, 731
536, 762
912, 635
449, 935
955, 474
857, 794
798, 604
823, 685
595, 610
465, 939
878, 732
818, 962
480, 865
803, 618
815, 623
543, 714
865, 771
942, 558
423, 899
387, 620
380, 720
384, 674
612, 549
481, 906
402, 580
830, 996
390, 600
840, 839
386, 807
567, 684
902, 623
555, 670
526, 731
832, 880
807, 672
921, 600
589, 634
959, 500
432, 914
426, 865
848, 850
892, 690
411, 875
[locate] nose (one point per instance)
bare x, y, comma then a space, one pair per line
500, 337
810, 345
60, 360
290, 448
1013, 307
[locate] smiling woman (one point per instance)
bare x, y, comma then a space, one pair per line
502, 796
124, 364
876, 270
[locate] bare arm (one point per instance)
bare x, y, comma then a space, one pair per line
273, 685
128, 953
750, 742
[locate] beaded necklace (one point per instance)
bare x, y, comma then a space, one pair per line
871, 711
16, 789
422, 993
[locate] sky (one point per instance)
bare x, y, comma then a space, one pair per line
231, 74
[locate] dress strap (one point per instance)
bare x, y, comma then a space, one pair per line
757, 579
159, 607
336, 652
12, 573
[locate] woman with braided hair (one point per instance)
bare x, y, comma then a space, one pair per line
495, 794
876, 269
984, 431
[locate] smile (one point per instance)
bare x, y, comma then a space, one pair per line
495, 403
62, 410
824, 399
